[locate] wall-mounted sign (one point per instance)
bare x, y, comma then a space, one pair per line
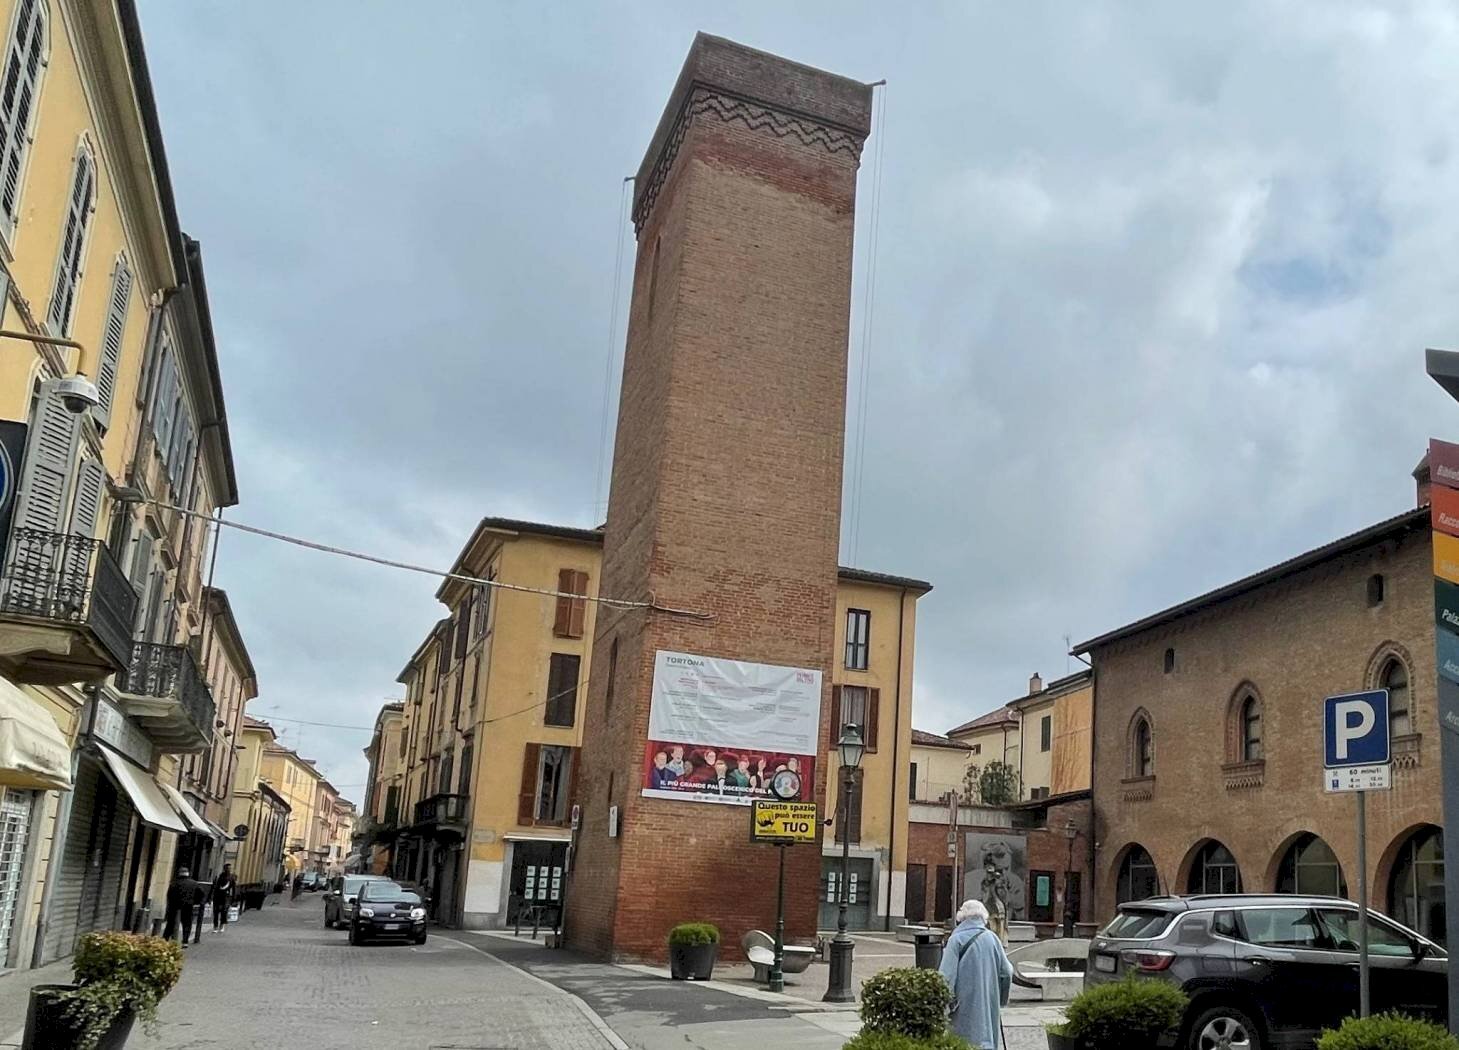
783, 821
12, 462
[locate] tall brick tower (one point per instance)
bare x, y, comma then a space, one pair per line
726, 484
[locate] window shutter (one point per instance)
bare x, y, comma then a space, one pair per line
873, 709
111, 340
50, 451
570, 782
90, 483
73, 244
23, 60
835, 714
527, 800
562, 622
579, 611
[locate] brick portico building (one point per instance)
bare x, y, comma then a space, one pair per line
1208, 734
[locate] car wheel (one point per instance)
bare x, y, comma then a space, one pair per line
1224, 1028
355, 936
421, 939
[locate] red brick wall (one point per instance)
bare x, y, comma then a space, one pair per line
726, 492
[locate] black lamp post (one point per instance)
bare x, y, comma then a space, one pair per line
852, 748
1071, 832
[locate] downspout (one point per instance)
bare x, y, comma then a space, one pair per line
897, 722
1090, 894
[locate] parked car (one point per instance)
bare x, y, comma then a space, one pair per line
1268, 971
387, 909
339, 897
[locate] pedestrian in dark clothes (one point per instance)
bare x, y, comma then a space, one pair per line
223, 887
182, 894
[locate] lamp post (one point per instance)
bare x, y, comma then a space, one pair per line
838, 990
1071, 832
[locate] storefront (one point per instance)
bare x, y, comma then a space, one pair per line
34, 759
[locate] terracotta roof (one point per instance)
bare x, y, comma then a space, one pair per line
1409, 521
924, 739
1004, 715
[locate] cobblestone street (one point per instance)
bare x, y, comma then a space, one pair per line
280, 978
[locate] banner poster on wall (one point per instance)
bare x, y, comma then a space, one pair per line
718, 730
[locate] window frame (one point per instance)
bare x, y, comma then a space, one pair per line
857, 654
22, 137
1252, 716
1391, 665
1046, 733
554, 693
563, 788
1142, 747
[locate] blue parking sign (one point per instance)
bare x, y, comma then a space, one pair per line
1355, 729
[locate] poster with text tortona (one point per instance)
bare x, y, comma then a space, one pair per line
718, 730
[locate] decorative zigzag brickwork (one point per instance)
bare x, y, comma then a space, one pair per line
707, 103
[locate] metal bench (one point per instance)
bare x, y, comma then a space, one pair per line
760, 950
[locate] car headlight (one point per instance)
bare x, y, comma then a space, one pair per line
367, 913
417, 913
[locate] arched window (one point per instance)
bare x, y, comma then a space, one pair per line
24, 58
1142, 750
73, 243
1416, 887
1169, 660
1251, 730
1309, 866
1394, 678
1214, 871
1138, 878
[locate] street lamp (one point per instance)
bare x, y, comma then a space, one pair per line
1071, 832
852, 747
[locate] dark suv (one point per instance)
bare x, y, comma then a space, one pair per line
1268, 971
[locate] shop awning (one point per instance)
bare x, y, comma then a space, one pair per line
33, 753
217, 832
144, 791
190, 816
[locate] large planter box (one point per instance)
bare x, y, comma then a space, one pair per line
47, 1028
1063, 1042
692, 962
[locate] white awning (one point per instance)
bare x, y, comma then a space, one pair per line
190, 816
33, 753
144, 791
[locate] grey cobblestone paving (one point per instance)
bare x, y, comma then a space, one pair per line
280, 978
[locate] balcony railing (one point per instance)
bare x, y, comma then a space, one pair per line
164, 690
66, 607
443, 809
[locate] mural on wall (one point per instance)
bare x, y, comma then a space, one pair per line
1007, 852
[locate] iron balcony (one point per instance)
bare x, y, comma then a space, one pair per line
166, 694
66, 610
444, 811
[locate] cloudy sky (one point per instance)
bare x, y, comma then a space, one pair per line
1152, 291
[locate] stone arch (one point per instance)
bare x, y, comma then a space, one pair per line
1306, 837
1380, 890
1116, 867
1235, 711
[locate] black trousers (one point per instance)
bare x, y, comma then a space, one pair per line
179, 923
220, 910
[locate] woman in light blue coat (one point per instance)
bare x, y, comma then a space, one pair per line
979, 974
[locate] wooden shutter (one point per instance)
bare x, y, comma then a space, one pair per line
835, 714
578, 613
873, 709
50, 451
86, 508
570, 781
562, 621
23, 61
111, 339
527, 799
73, 244
462, 627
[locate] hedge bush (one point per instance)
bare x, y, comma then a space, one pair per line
1124, 1014
905, 1001
869, 1040
693, 934
1387, 1032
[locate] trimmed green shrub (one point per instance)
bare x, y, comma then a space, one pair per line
118, 972
905, 1001
693, 934
872, 1040
1124, 1014
1387, 1032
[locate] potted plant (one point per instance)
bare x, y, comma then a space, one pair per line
1125, 1015
119, 978
693, 947
1389, 1031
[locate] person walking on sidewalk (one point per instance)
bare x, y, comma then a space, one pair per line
224, 887
182, 894
979, 974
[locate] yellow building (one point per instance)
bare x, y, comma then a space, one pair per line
341, 833
492, 726
938, 766
258, 856
384, 784
1054, 736
110, 400
992, 737
297, 781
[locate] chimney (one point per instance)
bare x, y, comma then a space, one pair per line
1035, 684
1422, 480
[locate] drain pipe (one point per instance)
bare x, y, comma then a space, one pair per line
896, 735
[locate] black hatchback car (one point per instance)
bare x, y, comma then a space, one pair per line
1268, 971
387, 909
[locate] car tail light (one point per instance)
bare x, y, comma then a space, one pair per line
1149, 961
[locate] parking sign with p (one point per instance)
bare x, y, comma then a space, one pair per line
1355, 741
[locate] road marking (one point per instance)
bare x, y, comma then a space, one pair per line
587, 1011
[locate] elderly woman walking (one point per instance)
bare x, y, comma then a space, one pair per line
979, 974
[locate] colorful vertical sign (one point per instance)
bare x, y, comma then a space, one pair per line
1444, 516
